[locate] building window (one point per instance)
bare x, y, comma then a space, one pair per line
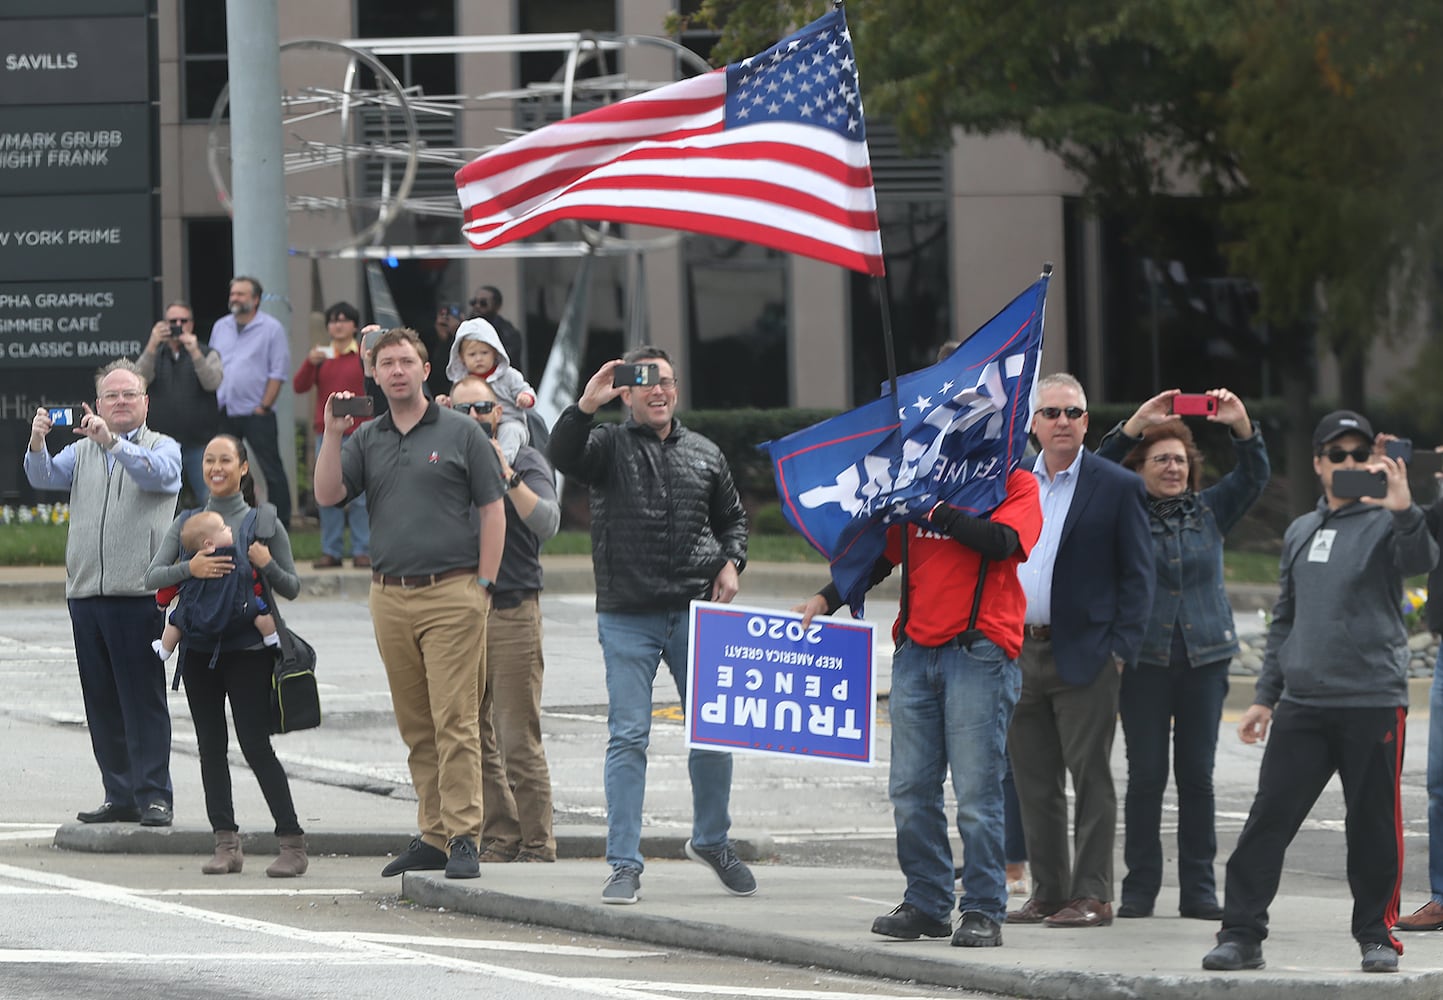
915, 244
548, 284
564, 15
736, 295
203, 70
208, 270
1173, 315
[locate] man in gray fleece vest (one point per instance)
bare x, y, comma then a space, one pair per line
1334, 687
123, 479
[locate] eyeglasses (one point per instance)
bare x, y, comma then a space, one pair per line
181, 319
1162, 460
1338, 455
1053, 412
480, 303
666, 382
129, 395
481, 408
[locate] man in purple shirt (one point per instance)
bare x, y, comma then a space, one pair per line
257, 356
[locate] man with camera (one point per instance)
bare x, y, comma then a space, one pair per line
182, 375
515, 781
434, 488
667, 528
1334, 689
122, 478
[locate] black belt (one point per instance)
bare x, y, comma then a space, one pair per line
1043, 632
505, 600
413, 582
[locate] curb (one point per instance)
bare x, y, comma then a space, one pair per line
572, 842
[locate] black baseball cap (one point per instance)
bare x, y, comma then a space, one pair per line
1341, 422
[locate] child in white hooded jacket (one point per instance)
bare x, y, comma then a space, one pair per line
476, 350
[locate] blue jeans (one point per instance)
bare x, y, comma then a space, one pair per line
192, 464
1186, 704
1435, 783
633, 646
951, 708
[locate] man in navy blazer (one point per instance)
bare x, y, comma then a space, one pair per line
1089, 583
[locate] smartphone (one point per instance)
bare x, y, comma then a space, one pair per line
1400, 449
63, 416
1350, 484
633, 375
355, 406
177, 327
1426, 462
1194, 404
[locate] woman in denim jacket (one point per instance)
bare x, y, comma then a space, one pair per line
1180, 678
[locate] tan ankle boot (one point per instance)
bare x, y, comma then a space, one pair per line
292, 859
228, 857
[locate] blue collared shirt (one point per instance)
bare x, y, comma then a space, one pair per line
1056, 495
155, 470
252, 355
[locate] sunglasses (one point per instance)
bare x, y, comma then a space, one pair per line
480, 302
1338, 455
1053, 412
481, 408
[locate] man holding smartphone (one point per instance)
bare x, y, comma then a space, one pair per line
183, 375
1334, 688
667, 528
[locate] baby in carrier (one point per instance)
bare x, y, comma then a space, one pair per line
203, 600
477, 351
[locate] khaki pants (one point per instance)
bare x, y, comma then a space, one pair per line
516, 783
433, 643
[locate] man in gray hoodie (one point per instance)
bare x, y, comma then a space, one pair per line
123, 479
1334, 686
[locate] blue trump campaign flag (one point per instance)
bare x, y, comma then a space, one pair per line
952, 435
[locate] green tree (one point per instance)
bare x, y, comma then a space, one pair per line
1309, 124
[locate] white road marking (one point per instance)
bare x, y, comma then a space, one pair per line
705, 989
352, 944
486, 945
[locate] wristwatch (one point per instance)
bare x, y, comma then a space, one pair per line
513, 480
487, 583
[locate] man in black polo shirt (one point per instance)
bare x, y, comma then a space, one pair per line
423, 469
516, 783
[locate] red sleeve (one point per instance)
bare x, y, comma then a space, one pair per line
165, 595
305, 378
1021, 510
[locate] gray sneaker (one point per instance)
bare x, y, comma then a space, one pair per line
623, 887
735, 876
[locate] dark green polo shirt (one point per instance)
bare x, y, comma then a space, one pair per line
420, 489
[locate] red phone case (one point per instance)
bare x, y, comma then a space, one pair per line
1194, 405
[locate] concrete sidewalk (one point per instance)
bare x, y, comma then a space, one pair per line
806, 916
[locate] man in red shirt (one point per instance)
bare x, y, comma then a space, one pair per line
336, 367
954, 684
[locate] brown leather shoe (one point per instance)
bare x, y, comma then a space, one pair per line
1034, 911
1084, 912
361, 562
1428, 917
326, 562
498, 854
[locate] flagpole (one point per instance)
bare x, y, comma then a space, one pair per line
884, 301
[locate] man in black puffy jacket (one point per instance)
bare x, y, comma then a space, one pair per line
667, 528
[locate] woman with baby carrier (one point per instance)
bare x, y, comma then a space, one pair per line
234, 663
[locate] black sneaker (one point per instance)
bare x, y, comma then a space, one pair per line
735, 876
1135, 911
156, 814
622, 887
1233, 956
463, 862
977, 930
909, 923
418, 856
1378, 957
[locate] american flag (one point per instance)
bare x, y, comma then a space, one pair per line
770, 150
